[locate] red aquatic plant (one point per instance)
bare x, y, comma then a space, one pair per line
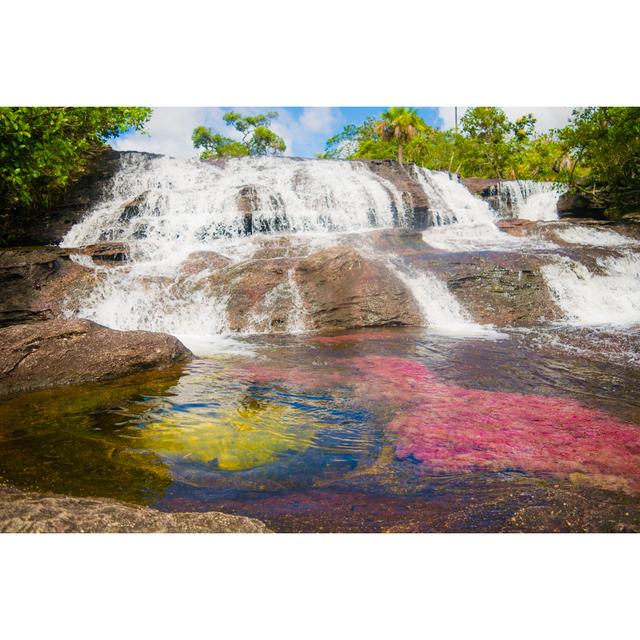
450, 428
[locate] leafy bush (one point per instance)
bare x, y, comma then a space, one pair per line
605, 142
43, 149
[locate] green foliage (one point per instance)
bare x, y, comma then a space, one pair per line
43, 149
488, 145
400, 125
605, 142
343, 144
257, 138
216, 145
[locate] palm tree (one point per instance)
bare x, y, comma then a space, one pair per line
400, 124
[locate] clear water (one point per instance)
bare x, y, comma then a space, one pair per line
367, 431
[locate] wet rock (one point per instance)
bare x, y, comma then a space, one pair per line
416, 203
500, 289
261, 296
26, 512
247, 202
134, 207
36, 281
342, 289
400, 242
334, 288
517, 227
579, 205
483, 187
248, 205
106, 251
61, 352
288, 246
201, 260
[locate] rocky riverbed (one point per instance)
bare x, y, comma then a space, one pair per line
322, 346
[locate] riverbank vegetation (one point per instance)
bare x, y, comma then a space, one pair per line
43, 149
596, 154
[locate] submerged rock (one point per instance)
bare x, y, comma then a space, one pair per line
23, 512
60, 352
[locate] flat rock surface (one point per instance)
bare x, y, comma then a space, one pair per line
59, 352
23, 512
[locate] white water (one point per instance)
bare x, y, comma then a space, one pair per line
462, 221
610, 298
530, 199
442, 311
191, 206
589, 236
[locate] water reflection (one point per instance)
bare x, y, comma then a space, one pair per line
384, 430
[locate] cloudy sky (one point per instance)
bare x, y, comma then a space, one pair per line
304, 129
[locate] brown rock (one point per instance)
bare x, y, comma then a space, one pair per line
36, 281
113, 251
342, 289
260, 296
505, 289
416, 204
25, 512
579, 205
480, 186
200, 260
517, 227
60, 352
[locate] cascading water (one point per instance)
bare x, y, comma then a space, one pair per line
587, 298
184, 206
166, 209
583, 235
528, 199
461, 221
442, 311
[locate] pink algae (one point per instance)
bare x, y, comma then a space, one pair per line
450, 428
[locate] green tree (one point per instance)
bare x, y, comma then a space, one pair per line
43, 149
343, 144
257, 139
399, 124
605, 143
487, 130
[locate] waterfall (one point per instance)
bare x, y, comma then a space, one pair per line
609, 297
440, 308
462, 221
529, 199
162, 206
583, 235
450, 202
252, 209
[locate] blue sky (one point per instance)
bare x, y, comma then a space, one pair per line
304, 129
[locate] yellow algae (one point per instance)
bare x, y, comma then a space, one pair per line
247, 435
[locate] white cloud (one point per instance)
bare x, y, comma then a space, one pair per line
546, 117
170, 128
169, 131
319, 119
